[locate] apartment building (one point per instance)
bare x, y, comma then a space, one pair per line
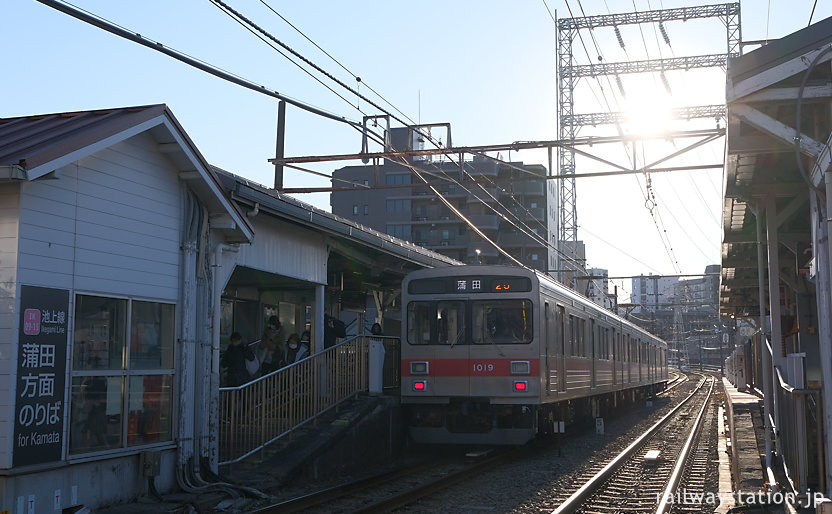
512, 204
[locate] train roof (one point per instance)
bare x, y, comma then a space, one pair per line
501, 270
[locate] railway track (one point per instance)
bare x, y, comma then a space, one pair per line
646, 474
391, 490
438, 486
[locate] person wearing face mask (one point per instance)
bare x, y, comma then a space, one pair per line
296, 348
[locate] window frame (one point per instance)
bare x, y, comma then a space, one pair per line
124, 374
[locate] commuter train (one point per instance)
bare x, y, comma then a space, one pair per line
497, 354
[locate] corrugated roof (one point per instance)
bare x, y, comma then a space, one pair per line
30, 141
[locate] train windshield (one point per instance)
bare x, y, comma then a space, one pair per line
436, 323
502, 322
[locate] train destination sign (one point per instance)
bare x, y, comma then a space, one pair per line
41, 374
470, 284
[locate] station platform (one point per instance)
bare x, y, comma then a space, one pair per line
742, 464
741, 447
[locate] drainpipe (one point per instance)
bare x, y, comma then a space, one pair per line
187, 346
214, 384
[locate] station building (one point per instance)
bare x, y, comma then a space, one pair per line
125, 262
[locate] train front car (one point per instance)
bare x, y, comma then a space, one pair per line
470, 354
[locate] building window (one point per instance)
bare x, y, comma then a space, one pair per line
366, 209
122, 373
366, 182
534, 257
355, 209
398, 205
533, 205
394, 180
400, 231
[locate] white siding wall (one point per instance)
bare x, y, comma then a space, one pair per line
287, 250
110, 224
9, 210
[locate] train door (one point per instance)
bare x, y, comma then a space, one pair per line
451, 349
593, 343
615, 353
546, 336
560, 346
628, 358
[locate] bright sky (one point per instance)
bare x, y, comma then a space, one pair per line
488, 67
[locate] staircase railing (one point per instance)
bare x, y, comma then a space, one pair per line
258, 413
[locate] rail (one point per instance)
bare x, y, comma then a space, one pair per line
666, 502
574, 502
256, 414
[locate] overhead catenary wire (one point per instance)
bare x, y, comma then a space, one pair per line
219, 2
239, 16
272, 9
222, 7
107, 25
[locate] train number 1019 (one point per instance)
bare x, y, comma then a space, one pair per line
480, 367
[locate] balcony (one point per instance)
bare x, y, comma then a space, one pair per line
530, 187
529, 213
486, 168
509, 239
482, 191
485, 222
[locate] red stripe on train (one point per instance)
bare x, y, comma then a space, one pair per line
470, 367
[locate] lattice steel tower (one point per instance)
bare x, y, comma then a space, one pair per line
569, 73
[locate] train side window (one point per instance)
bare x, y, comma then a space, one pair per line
418, 322
450, 322
571, 331
502, 322
558, 329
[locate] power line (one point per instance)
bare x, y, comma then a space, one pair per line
549, 11
335, 60
102, 23
263, 39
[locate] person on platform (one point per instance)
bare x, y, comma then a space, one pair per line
234, 360
297, 348
272, 347
333, 329
375, 329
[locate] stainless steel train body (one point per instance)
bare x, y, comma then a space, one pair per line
495, 354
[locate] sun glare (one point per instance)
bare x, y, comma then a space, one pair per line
648, 114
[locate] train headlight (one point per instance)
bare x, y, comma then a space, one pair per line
420, 385
520, 367
419, 368
520, 385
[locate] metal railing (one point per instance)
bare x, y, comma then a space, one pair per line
801, 434
256, 414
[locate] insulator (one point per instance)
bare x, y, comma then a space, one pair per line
618, 35
620, 86
664, 33
666, 84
